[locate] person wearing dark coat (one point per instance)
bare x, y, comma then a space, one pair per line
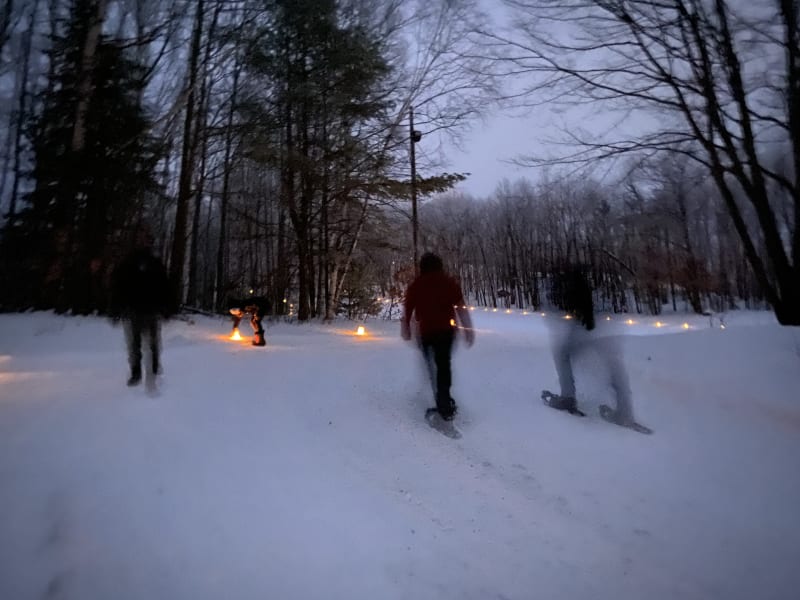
436, 302
141, 296
573, 294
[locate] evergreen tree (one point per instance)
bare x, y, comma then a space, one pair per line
62, 244
319, 87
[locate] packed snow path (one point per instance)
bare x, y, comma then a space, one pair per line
305, 469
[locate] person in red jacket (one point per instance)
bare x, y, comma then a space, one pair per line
437, 304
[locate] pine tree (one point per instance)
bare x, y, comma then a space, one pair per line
318, 83
63, 242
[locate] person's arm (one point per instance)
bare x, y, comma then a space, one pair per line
118, 293
586, 305
464, 318
408, 310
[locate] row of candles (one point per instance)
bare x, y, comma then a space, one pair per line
361, 330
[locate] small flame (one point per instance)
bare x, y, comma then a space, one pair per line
524, 312
508, 311
494, 310
659, 324
685, 326
236, 335
629, 321
360, 330
452, 322
567, 317
608, 318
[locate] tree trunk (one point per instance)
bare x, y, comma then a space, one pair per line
199, 132
221, 287
5, 23
86, 77
340, 276
21, 113
187, 164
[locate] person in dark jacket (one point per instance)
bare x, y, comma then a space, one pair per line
141, 296
573, 294
436, 302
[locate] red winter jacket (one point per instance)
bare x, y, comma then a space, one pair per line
432, 298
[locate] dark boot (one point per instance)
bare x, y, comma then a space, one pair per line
135, 378
258, 331
562, 403
453, 410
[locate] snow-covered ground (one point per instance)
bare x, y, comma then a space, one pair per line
305, 469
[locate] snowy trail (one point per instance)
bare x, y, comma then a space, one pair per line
305, 469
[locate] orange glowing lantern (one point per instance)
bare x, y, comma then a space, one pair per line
360, 330
452, 322
236, 336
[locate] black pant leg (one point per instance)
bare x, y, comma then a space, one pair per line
442, 349
426, 348
153, 331
133, 338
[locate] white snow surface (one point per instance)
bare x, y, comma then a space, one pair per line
305, 469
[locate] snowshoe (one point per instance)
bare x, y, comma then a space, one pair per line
610, 415
560, 403
442, 425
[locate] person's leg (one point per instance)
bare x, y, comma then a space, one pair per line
426, 351
258, 330
563, 350
619, 381
153, 329
442, 348
133, 340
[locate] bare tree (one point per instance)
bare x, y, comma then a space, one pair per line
5, 23
715, 82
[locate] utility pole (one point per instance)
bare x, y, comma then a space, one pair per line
414, 136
